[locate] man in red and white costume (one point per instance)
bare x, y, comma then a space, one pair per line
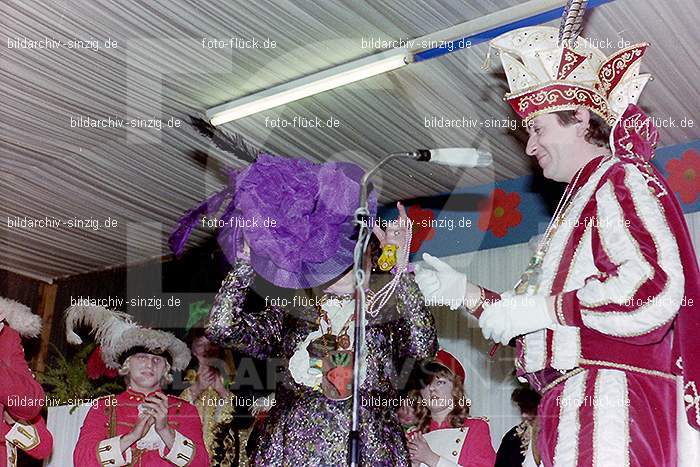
604, 314
21, 396
141, 426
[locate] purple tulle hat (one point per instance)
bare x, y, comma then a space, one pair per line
295, 215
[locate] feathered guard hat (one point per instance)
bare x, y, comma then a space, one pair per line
545, 76
119, 336
20, 318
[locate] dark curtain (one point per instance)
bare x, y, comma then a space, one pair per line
148, 291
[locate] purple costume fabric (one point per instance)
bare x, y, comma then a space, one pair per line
296, 216
304, 428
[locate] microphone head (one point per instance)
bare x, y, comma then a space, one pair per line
461, 157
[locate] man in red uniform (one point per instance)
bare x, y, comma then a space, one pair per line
21, 397
141, 426
604, 314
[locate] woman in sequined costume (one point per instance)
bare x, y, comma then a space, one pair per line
305, 427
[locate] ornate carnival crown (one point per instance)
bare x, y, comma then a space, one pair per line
546, 77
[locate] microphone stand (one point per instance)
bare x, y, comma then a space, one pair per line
359, 268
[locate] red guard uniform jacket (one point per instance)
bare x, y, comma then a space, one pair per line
20, 394
31, 437
114, 416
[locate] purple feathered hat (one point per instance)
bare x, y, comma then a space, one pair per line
295, 215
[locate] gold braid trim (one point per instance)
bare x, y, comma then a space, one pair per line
604, 364
112, 416
625, 367
562, 378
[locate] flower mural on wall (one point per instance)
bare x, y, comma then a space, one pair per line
422, 225
684, 176
499, 212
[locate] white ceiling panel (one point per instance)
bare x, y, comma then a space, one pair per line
145, 178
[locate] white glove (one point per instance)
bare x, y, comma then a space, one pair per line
440, 283
513, 316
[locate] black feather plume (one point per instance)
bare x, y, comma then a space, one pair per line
231, 143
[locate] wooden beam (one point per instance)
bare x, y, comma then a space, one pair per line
46, 310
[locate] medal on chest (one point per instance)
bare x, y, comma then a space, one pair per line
529, 282
337, 374
331, 356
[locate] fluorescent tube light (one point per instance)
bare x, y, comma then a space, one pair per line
308, 86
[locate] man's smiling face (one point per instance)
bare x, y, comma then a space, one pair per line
551, 143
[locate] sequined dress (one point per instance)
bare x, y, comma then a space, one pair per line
305, 428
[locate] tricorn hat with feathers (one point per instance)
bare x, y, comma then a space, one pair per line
119, 336
20, 318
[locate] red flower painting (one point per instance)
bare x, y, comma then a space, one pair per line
422, 225
684, 175
499, 213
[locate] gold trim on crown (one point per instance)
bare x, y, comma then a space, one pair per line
546, 77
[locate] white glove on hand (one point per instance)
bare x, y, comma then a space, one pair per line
513, 316
440, 283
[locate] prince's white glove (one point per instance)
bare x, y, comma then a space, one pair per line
513, 316
440, 283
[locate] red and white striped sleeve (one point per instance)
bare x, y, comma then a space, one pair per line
640, 287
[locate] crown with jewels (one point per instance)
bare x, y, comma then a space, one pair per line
547, 77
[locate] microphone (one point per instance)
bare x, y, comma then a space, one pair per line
454, 157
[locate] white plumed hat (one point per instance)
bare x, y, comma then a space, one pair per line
20, 318
119, 336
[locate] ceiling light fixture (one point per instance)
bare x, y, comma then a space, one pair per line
309, 85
